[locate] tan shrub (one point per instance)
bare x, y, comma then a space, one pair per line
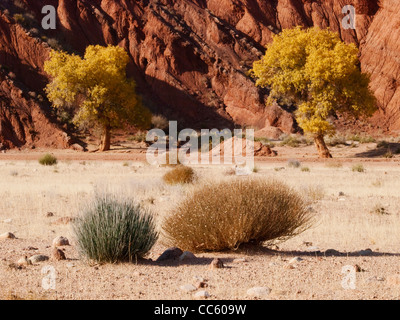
228, 214
179, 175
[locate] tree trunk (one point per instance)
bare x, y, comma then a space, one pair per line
105, 144
323, 150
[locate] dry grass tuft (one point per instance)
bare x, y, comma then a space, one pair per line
180, 175
229, 214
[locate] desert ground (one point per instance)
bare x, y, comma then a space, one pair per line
354, 211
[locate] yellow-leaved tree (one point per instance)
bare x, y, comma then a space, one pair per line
320, 75
98, 85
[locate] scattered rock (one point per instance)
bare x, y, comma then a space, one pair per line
216, 264
38, 258
341, 194
201, 284
60, 242
307, 243
8, 220
259, 292
366, 252
201, 295
16, 266
332, 252
31, 248
58, 254
7, 235
289, 266
64, 220
49, 214
295, 260
170, 254
77, 147
188, 288
187, 255
24, 261
357, 268
393, 280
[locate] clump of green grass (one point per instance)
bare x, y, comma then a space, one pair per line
358, 168
229, 214
180, 175
113, 230
305, 169
48, 160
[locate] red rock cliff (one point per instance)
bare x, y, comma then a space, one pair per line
190, 57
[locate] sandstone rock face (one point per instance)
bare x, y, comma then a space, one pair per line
190, 57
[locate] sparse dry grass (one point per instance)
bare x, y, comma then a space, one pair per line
344, 224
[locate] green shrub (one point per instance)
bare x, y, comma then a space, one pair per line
48, 160
226, 215
112, 230
305, 169
180, 175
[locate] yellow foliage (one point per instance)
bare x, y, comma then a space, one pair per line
318, 73
98, 84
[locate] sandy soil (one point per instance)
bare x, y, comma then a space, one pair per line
348, 223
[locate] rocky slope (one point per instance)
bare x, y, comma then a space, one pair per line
190, 57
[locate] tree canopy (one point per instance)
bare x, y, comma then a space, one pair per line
319, 74
98, 84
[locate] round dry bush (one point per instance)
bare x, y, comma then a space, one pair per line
180, 175
229, 214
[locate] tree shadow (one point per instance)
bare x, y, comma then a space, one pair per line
198, 261
382, 149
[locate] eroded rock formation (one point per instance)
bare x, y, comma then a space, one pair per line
190, 57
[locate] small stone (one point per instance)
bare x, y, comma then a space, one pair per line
295, 260
24, 261
216, 264
7, 235
188, 288
60, 241
38, 258
64, 220
259, 292
16, 266
170, 254
187, 255
31, 248
357, 268
58, 254
341, 194
49, 214
332, 252
307, 243
201, 295
201, 284
8, 220
289, 266
70, 265
366, 252
240, 260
